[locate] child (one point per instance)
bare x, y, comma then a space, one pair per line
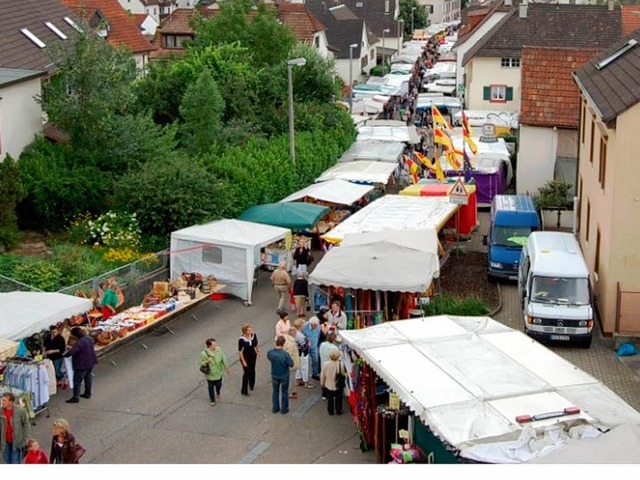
34, 454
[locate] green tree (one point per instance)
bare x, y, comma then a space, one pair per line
168, 194
202, 110
255, 27
91, 86
11, 192
420, 16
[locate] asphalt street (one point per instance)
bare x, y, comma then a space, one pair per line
150, 404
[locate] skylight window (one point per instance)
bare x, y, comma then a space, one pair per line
27, 33
72, 23
55, 30
617, 54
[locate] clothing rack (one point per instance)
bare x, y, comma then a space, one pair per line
29, 380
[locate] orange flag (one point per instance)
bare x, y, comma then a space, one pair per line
438, 118
466, 133
426, 161
439, 136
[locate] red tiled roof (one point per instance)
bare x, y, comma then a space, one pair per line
302, 23
139, 18
550, 96
630, 18
122, 31
177, 23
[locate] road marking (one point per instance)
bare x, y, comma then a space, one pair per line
255, 452
306, 405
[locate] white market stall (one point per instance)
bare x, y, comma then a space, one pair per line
24, 313
384, 274
337, 191
390, 152
362, 171
395, 212
389, 131
228, 249
485, 392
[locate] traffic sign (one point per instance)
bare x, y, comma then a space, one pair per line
458, 193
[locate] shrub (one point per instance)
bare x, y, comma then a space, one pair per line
451, 305
77, 263
39, 273
11, 192
553, 194
114, 230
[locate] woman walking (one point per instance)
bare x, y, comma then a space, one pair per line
214, 357
248, 351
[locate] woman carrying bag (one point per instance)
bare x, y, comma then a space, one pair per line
64, 448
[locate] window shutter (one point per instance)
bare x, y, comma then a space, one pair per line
486, 93
509, 94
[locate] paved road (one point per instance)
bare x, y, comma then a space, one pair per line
150, 405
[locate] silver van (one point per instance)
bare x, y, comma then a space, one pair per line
555, 294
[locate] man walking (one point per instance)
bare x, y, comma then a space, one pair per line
84, 358
15, 429
281, 283
281, 362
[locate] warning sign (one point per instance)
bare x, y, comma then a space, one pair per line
458, 193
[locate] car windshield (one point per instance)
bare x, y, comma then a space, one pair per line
515, 237
560, 291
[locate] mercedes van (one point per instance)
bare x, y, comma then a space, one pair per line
555, 294
513, 218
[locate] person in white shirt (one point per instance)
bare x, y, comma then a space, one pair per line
337, 318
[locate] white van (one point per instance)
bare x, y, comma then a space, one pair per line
553, 282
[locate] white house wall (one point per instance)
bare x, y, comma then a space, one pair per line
536, 158
142, 63
485, 71
20, 117
475, 37
441, 11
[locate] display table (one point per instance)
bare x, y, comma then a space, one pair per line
137, 320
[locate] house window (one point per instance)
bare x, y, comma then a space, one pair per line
603, 161
596, 265
371, 55
316, 42
174, 41
582, 122
579, 204
211, 254
498, 93
508, 62
586, 234
593, 134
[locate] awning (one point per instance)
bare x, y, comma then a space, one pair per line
340, 192
395, 212
477, 375
393, 261
24, 313
383, 133
363, 171
293, 215
389, 152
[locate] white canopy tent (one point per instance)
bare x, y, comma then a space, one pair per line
364, 171
392, 261
228, 249
489, 157
390, 152
336, 191
395, 212
476, 376
388, 131
24, 313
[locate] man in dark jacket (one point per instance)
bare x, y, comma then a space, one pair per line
83, 356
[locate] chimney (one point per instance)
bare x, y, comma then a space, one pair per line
324, 6
522, 13
610, 5
508, 3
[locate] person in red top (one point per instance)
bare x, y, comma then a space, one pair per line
34, 453
15, 428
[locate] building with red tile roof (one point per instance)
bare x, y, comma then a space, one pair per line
630, 18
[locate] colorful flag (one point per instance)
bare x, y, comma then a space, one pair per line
453, 160
426, 161
439, 136
413, 168
466, 134
438, 118
439, 172
466, 166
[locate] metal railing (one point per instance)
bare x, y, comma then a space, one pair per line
10, 285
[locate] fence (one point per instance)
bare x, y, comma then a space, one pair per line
135, 279
10, 285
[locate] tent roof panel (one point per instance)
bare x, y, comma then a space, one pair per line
231, 232
373, 150
336, 191
294, 215
364, 171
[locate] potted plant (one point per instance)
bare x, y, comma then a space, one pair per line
554, 205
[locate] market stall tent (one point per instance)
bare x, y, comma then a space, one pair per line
476, 376
228, 249
390, 152
361, 171
293, 215
339, 192
394, 261
395, 212
24, 313
388, 132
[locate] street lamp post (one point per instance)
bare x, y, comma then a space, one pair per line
413, 9
384, 32
298, 62
351, 47
400, 34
